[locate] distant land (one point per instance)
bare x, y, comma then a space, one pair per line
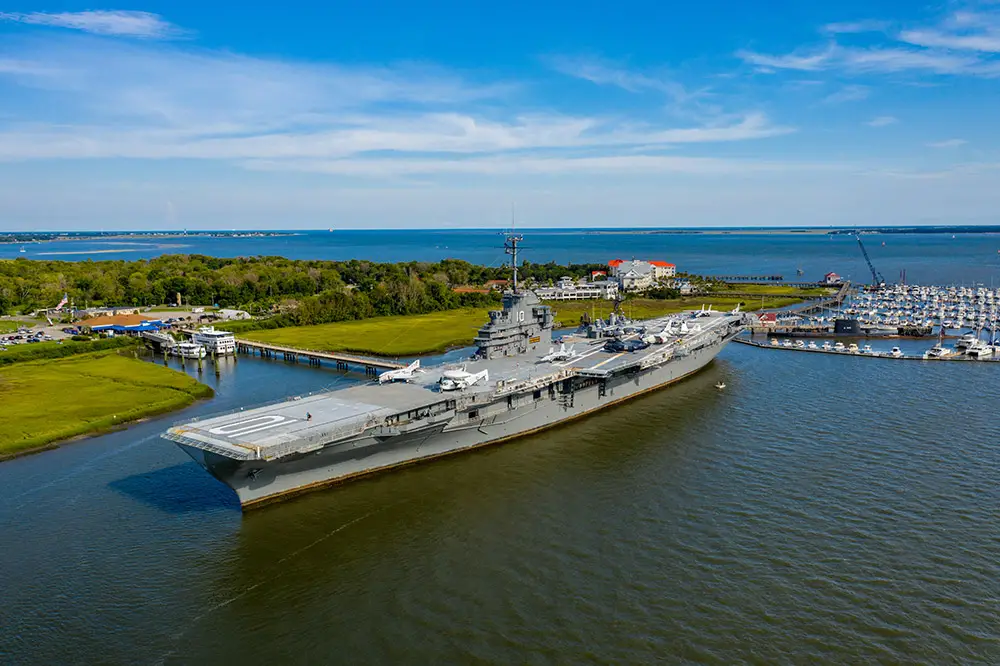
830, 231
48, 236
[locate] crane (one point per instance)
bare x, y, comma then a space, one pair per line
876, 276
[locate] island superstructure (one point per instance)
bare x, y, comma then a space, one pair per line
515, 384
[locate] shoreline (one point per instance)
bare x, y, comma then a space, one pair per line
100, 430
97, 432
174, 391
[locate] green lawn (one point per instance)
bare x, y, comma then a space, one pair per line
568, 313
383, 336
8, 326
778, 290
51, 400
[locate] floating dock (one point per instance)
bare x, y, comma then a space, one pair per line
884, 355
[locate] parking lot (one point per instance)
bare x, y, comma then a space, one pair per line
29, 334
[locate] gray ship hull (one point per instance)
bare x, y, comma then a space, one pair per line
257, 482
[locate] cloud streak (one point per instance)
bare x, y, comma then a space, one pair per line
143, 25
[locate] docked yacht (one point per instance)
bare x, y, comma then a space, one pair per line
896, 352
979, 350
839, 347
937, 351
189, 350
966, 341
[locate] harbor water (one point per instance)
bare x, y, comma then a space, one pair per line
820, 509
926, 258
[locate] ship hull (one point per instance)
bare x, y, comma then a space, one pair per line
258, 482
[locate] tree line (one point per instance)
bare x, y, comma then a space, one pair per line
301, 292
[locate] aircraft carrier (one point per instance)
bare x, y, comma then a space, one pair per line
515, 384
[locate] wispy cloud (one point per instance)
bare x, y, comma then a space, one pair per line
948, 143
882, 121
683, 101
963, 44
803, 61
852, 93
551, 165
144, 25
875, 60
107, 99
853, 27
605, 73
962, 31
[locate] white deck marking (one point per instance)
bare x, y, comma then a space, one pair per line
255, 424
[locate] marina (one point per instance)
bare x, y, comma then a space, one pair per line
895, 311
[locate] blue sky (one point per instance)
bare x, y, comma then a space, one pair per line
386, 114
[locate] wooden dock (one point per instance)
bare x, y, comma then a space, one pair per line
372, 366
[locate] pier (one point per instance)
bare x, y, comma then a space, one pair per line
759, 279
821, 304
372, 366
794, 327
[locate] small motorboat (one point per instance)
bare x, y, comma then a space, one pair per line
720, 385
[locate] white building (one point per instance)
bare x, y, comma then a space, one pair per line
215, 342
567, 290
637, 275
